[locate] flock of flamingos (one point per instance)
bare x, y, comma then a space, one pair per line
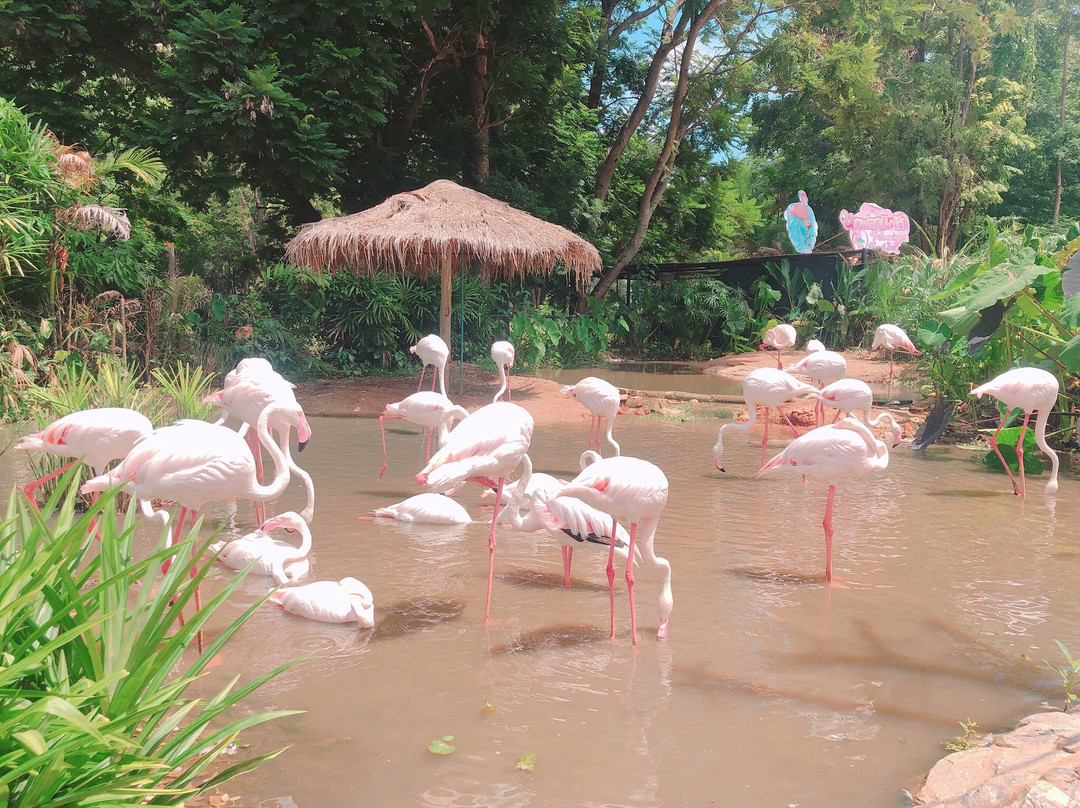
192, 463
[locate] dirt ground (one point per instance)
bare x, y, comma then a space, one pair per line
367, 396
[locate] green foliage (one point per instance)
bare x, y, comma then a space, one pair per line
442, 746
963, 742
94, 701
1007, 441
545, 335
1069, 673
185, 389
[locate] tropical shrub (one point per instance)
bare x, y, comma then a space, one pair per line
93, 710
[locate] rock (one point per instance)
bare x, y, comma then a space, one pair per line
1037, 765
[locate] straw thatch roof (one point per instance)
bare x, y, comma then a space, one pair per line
417, 231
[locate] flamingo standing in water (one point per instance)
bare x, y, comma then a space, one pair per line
769, 388
485, 447
502, 354
429, 509
636, 490
824, 367
245, 398
428, 409
780, 337
281, 561
344, 601
844, 449
97, 437
432, 351
601, 398
850, 395
1029, 389
193, 463
892, 338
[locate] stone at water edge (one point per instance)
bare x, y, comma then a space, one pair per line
1037, 765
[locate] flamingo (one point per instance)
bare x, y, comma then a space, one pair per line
892, 338
600, 398
844, 449
636, 490
432, 351
767, 387
282, 561
245, 398
1029, 389
824, 367
344, 601
849, 395
814, 345
193, 463
780, 337
502, 354
431, 509
433, 411
802, 224
97, 437
490, 443
254, 367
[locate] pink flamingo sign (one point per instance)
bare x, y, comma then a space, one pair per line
876, 228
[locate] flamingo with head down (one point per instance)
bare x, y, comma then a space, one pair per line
428, 409
280, 560
600, 398
780, 338
344, 601
851, 395
503, 355
769, 388
432, 351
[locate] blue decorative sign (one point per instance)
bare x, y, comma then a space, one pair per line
801, 224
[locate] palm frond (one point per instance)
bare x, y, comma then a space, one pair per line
113, 221
143, 163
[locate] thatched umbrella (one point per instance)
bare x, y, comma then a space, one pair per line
440, 228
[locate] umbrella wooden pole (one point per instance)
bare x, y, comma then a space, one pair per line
445, 296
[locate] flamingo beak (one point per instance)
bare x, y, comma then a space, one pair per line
719, 467
303, 433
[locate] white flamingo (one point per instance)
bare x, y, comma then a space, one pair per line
280, 560
824, 367
780, 337
851, 395
431, 509
600, 398
432, 351
344, 601
1029, 389
893, 338
767, 387
428, 409
503, 354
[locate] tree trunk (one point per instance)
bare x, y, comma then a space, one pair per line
603, 45
446, 294
670, 37
477, 141
1061, 119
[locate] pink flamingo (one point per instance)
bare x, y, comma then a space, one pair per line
428, 509
193, 463
769, 388
843, 449
97, 437
344, 601
600, 398
824, 367
254, 367
432, 351
502, 354
266, 555
246, 398
1029, 389
850, 395
780, 337
486, 446
636, 490
892, 338
428, 409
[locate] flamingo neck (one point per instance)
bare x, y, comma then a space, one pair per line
281, 461
442, 376
611, 425
898, 433
512, 509
309, 510
503, 382
1040, 441
718, 449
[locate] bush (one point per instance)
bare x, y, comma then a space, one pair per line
91, 711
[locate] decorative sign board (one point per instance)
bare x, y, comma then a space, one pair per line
876, 228
801, 224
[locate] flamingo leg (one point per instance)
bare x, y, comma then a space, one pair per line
1020, 455
997, 451
40, 481
509, 395
630, 581
827, 524
423, 370
567, 557
779, 364
427, 446
766, 438
434, 373
788, 420
891, 354
382, 432
837, 418
611, 572
491, 548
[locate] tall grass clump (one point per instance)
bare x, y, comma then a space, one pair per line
92, 710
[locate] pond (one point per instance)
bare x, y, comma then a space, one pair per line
772, 689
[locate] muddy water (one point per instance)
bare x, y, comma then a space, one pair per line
770, 690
